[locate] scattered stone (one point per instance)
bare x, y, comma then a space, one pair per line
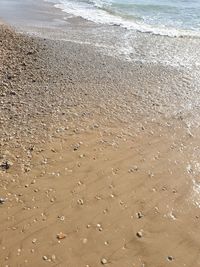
12, 93
104, 261
139, 215
9, 76
61, 236
27, 169
62, 218
45, 258
76, 147
80, 201
52, 200
2, 200
135, 168
34, 240
139, 234
5, 165
150, 174
170, 258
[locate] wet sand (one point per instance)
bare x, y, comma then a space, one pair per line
99, 166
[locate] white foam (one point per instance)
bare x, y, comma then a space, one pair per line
89, 12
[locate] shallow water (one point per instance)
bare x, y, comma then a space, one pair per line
165, 17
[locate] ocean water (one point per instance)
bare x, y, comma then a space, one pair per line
164, 17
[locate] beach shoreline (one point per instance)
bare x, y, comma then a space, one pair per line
99, 157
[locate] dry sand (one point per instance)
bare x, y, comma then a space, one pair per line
94, 170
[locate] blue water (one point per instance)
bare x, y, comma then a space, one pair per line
167, 17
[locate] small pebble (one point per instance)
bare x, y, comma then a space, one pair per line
104, 261
61, 236
34, 240
139, 234
80, 201
139, 215
45, 258
76, 147
170, 258
5, 165
62, 218
2, 200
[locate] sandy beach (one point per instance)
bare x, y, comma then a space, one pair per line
99, 157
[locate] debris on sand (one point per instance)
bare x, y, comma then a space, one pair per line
170, 258
5, 165
61, 236
2, 200
139, 234
104, 261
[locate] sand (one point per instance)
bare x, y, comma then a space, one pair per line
98, 166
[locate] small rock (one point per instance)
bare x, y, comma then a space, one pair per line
139, 234
135, 168
45, 258
12, 93
76, 147
5, 165
104, 261
2, 200
34, 240
139, 215
61, 236
170, 258
9, 76
62, 218
80, 201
